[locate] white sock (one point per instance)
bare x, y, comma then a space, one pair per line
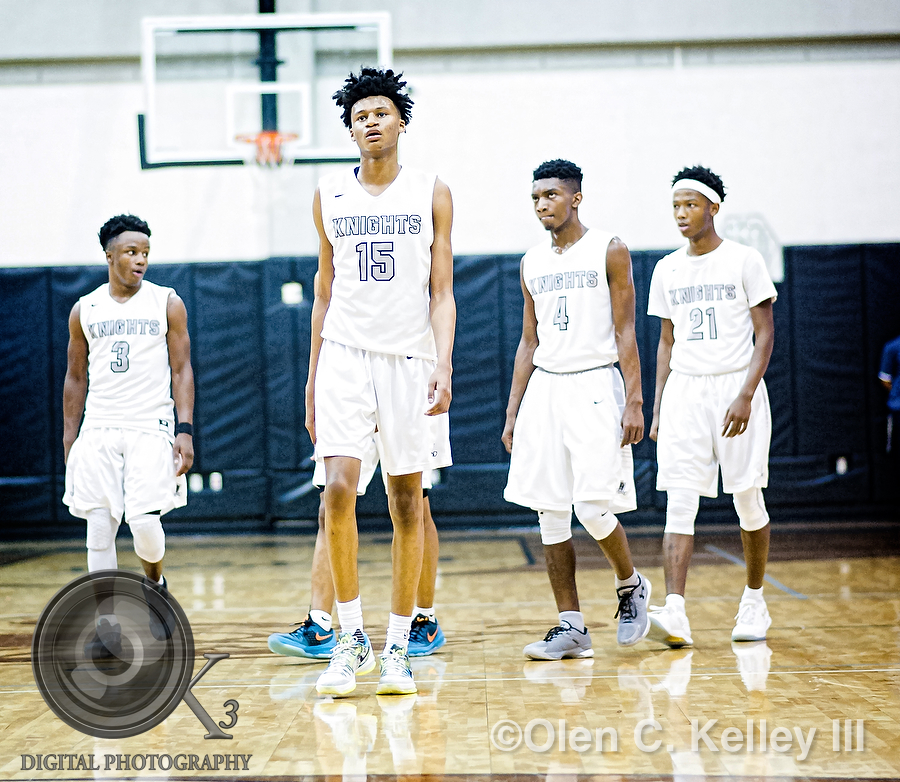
321, 618
632, 581
426, 612
675, 602
752, 594
350, 615
574, 618
397, 632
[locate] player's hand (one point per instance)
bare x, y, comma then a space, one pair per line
654, 427
439, 393
736, 417
632, 424
507, 436
183, 453
310, 421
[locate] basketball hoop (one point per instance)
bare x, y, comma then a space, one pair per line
268, 145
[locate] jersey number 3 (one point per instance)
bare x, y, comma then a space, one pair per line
561, 319
375, 261
120, 348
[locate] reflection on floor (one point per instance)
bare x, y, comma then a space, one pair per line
820, 698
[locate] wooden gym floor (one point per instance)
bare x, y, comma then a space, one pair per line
831, 665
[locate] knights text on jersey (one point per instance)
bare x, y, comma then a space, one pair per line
708, 299
129, 377
382, 263
572, 304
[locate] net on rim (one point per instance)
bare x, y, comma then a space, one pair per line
269, 145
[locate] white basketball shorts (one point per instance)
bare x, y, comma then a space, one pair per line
359, 392
690, 447
567, 443
123, 470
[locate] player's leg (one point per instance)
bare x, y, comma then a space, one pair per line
425, 634
601, 472
744, 461
314, 638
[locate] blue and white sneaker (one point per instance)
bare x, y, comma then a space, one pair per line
425, 636
309, 640
352, 655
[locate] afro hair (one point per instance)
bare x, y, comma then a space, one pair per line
118, 225
371, 82
704, 175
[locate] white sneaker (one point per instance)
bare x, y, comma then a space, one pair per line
752, 621
670, 626
396, 677
352, 655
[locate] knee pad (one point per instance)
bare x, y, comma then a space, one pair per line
149, 538
681, 511
751, 509
596, 518
556, 526
101, 540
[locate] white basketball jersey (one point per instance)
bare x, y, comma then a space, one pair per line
129, 378
382, 263
571, 301
708, 299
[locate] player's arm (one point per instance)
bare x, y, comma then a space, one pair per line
76, 382
443, 304
738, 413
523, 367
323, 283
621, 294
663, 357
179, 343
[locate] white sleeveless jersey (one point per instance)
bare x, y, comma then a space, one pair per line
382, 263
571, 301
708, 299
129, 377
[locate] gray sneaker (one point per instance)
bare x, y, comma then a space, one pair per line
562, 641
634, 624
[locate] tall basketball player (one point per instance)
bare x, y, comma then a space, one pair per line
383, 326
570, 421
711, 409
129, 370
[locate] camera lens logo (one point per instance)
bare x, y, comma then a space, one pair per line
112, 654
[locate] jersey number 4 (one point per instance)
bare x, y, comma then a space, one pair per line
697, 331
120, 348
375, 261
560, 318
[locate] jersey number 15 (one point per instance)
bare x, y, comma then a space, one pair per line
375, 261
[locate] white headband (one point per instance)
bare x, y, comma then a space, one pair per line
693, 184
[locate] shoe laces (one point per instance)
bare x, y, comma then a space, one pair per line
396, 662
558, 630
627, 608
345, 653
419, 629
749, 611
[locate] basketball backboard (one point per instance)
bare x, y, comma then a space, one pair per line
210, 80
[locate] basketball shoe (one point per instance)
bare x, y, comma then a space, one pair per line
162, 618
352, 655
561, 641
106, 643
396, 677
309, 640
670, 626
632, 614
425, 636
752, 620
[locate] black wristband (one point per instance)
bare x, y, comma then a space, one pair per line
184, 428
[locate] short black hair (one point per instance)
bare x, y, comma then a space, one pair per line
118, 225
703, 175
371, 82
559, 169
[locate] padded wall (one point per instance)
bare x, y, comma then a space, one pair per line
836, 308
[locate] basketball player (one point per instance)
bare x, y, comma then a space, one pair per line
889, 376
315, 639
570, 422
380, 359
711, 409
128, 367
